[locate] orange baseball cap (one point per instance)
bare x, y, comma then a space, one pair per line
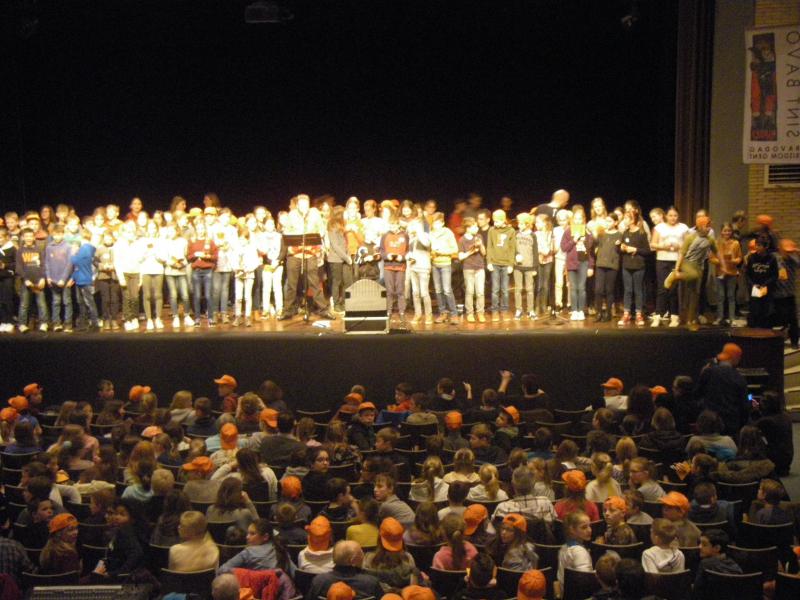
62, 521
616, 502
391, 597
453, 420
787, 245
137, 391
613, 383
702, 221
516, 521
532, 585
348, 409
31, 389
677, 500
291, 487
575, 480
226, 380
474, 515
18, 402
730, 351
391, 532
229, 436
354, 398
765, 220
366, 406
201, 463
340, 591
417, 592
658, 390
319, 534
9, 414
512, 412
270, 417
151, 431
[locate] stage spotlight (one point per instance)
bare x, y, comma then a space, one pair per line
267, 11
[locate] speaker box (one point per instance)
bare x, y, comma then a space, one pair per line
365, 308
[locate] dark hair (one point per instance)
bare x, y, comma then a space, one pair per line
457, 492
445, 385
598, 441
285, 422
771, 403
708, 423
542, 439
704, 492
630, 578
371, 509
683, 383
23, 434
606, 420
334, 487
529, 383
313, 453
640, 403
176, 502
773, 491
482, 570
751, 444
203, 405
270, 392
229, 496
717, 537
405, 388
247, 459
103, 384
420, 399
40, 487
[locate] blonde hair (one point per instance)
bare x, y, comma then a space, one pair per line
431, 469
464, 461
540, 471
193, 524
490, 479
626, 451
181, 399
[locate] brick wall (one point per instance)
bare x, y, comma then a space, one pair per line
782, 204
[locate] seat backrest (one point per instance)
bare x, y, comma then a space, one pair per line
303, 579
446, 582
548, 555
423, 555
756, 559
91, 534
669, 586
787, 587
219, 530
196, 582
633, 551
157, 558
30, 580
579, 584
508, 581
16, 461
691, 558
728, 586
746, 492
653, 509
753, 535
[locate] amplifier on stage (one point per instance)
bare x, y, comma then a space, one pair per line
365, 308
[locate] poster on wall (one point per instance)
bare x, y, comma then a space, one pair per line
771, 133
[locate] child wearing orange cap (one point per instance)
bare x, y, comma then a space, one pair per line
226, 391
8, 418
453, 440
390, 562
291, 492
199, 487
784, 295
676, 509
60, 554
511, 548
618, 533
575, 498
762, 275
229, 445
532, 585
361, 433
317, 557
506, 435
457, 553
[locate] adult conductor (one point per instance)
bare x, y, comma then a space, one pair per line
304, 219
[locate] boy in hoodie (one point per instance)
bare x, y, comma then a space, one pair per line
30, 268
317, 557
506, 435
204, 422
443, 249
361, 433
58, 269
705, 507
762, 274
83, 276
713, 544
675, 509
526, 263
500, 256
663, 557
393, 248
8, 263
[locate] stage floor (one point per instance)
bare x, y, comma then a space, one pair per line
316, 367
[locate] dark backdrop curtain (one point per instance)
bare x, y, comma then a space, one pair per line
693, 105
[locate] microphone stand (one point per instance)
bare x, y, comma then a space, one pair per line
304, 271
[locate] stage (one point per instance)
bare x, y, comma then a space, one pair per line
316, 367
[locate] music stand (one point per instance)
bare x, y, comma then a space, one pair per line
303, 240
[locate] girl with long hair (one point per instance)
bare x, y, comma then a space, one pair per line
315, 482
152, 269
457, 553
426, 530
463, 467
625, 451
511, 549
430, 485
488, 490
339, 450
262, 552
232, 504
391, 564
365, 532
603, 485
60, 554
635, 247
336, 256
666, 242
577, 244
202, 254
246, 261
165, 533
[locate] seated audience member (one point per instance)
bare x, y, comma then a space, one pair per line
709, 427
664, 436
603, 485
166, 453
676, 509
385, 442
604, 568
298, 463
445, 397
260, 553
199, 488
481, 582
361, 434
457, 553
232, 504
514, 551
204, 423
390, 563
775, 425
60, 554
663, 556
713, 546
316, 481
341, 504
317, 556
706, 508
612, 395
751, 462
339, 449
634, 500
573, 554
165, 533
225, 587
229, 445
391, 505
453, 440
456, 496
348, 558
479, 530
180, 409
575, 497
598, 441
642, 478
566, 458
125, 553
618, 533
425, 530
365, 530
624, 452
24, 440
420, 413
258, 480
305, 431
214, 442
248, 413
226, 391
506, 435
770, 493
430, 486
402, 398
100, 502
463, 468
480, 441
542, 447
532, 585
639, 411
277, 448
630, 580
292, 494
289, 529
487, 411
36, 533
488, 490
524, 501
197, 551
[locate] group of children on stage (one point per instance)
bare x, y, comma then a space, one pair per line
200, 255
